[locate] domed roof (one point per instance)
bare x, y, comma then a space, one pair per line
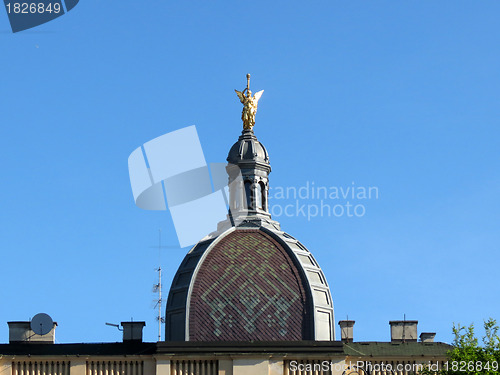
248, 288
249, 284
248, 148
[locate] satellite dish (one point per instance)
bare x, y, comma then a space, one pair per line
41, 324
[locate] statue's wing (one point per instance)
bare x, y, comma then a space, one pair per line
240, 95
258, 95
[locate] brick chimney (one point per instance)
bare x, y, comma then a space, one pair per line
427, 336
346, 330
403, 330
132, 331
21, 332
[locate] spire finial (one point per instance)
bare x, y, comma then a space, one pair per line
249, 105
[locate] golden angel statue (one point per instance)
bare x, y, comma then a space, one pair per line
249, 105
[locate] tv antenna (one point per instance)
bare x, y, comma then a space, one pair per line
157, 288
404, 326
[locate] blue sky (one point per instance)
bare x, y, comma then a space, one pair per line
400, 95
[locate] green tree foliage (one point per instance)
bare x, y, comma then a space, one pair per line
468, 356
